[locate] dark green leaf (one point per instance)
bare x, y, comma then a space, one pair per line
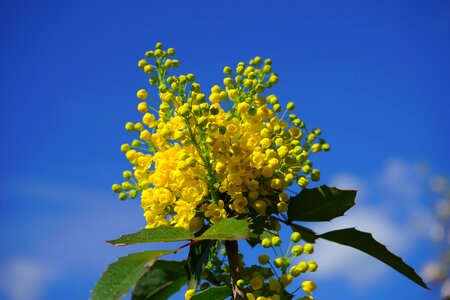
261, 227
364, 242
122, 275
320, 204
161, 281
226, 229
158, 234
197, 259
307, 234
215, 292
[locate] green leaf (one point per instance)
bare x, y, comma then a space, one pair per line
307, 234
158, 234
365, 242
122, 275
215, 292
226, 229
161, 281
320, 204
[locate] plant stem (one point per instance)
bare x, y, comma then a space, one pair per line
233, 261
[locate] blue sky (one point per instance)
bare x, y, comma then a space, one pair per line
374, 75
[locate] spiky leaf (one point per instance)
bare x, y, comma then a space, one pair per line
122, 275
320, 204
365, 242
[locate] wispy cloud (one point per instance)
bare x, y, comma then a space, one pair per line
25, 279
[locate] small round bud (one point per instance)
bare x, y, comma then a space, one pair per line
171, 51
282, 207
286, 279
308, 286
148, 69
127, 174
308, 248
159, 45
125, 148
276, 241
158, 52
162, 88
142, 94
266, 243
277, 108
136, 144
267, 69
325, 147
302, 181
297, 250
256, 283
295, 271
306, 169
116, 188
227, 70
312, 266
143, 107
133, 194
190, 77
129, 126
138, 126
259, 88
149, 54
315, 175
142, 63
316, 148
122, 196
263, 259
278, 262
290, 106
296, 237
168, 63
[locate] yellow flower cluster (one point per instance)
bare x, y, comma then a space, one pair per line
235, 154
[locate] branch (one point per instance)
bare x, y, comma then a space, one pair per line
233, 260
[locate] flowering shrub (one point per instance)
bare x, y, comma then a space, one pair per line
213, 167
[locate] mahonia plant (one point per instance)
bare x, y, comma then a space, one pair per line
214, 167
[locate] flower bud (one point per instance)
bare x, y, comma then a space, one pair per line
325, 147
315, 175
133, 194
171, 51
266, 243
312, 266
297, 250
302, 181
290, 106
142, 94
129, 126
263, 259
116, 188
122, 196
296, 237
308, 248
227, 70
142, 63
125, 148
276, 241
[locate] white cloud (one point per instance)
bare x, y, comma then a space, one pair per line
25, 279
